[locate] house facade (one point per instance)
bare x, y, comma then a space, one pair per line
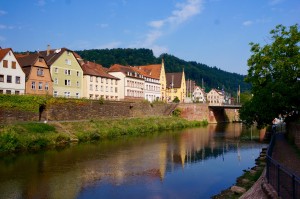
131, 82
152, 84
12, 77
98, 84
37, 73
199, 95
66, 72
215, 97
176, 86
155, 72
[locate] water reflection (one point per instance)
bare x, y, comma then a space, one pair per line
191, 163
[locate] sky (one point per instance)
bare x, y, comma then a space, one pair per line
213, 32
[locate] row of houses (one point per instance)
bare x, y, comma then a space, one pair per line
63, 73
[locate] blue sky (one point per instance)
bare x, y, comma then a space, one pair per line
213, 32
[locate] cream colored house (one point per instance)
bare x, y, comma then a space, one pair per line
176, 86
131, 82
215, 97
98, 84
66, 72
152, 85
156, 72
12, 77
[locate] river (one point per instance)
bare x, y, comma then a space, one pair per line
189, 163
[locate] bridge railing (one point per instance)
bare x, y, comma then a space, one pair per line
284, 181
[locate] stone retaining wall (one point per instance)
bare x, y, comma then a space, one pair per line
294, 133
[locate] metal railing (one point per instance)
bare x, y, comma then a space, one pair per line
284, 181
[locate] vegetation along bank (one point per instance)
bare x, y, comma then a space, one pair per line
24, 137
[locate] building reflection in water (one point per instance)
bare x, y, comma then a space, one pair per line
66, 173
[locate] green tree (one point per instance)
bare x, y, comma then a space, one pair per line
274, 73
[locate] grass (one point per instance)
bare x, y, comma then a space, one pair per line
39, 136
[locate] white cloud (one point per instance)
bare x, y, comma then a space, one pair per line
247, 23
158, 50
41, 2
4, 27
2, 12
103, 25
114, 44
275, 2
156, 24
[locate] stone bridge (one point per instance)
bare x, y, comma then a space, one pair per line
211, 113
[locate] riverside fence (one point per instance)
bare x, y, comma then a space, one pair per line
284, 181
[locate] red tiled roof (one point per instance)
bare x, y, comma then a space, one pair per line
176, 78
3, 52
53, 54
152, 70
27, 60
124, 70
93, 69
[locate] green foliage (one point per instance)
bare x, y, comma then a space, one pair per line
245, 97
176, 112
176, 100
22, 102
212, 76
273, 72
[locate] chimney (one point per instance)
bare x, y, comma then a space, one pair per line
48, 49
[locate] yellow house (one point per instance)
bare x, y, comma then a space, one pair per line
176, 86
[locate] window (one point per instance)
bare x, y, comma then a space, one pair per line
67, 82
97, 79
112, 82
111, 89
40, 85
67, 94
8, 92
13, 65
55, 81
106, 81
106, 89
33, 85
18, 80
77, 83
77, 95
56, 70
101, 88
40, 72
1, 91
5, 64
116, 82
46, 86
9, 79
67, 72
1, 78
78, 73
116, 90
91, 87
40, 59
68, 53
91, 78
17, 92
96, 87
101, 80
68, 62
55, 93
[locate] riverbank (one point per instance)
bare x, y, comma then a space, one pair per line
248, 182
27, 137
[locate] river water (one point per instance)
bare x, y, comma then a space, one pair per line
190, 163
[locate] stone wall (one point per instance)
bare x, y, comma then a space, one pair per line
10, 116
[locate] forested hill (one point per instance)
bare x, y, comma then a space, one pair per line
212, 76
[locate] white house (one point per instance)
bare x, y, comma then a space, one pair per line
199, 95
98, 84
12, 77
131, 82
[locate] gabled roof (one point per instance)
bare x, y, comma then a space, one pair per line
174, 78
125, 70
217, 91
153, 70
3, 52
93, 69
144, 72
27, 60
52, 55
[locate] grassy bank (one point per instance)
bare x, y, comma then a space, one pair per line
38, 136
